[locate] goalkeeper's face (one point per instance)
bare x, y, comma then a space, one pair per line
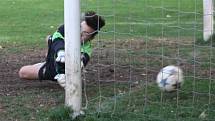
86, 32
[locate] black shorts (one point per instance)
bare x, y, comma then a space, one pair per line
47, 73
48, 70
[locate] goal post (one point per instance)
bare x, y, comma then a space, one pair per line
73, 93
208, 19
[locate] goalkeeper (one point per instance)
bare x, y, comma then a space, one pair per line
54, 66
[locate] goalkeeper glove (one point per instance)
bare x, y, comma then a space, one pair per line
61, 80
60, 56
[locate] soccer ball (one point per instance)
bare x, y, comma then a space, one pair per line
170, 78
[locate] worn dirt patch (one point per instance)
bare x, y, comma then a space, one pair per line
103, 67
10, 83
125, 61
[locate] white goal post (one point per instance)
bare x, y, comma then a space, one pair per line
208, 19
73, 89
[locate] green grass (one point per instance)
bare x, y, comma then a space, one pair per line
25, 23
30, 104
153, 105
148, 18
142, 31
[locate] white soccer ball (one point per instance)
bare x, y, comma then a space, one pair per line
170, 78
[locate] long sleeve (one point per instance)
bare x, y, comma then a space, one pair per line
57, 45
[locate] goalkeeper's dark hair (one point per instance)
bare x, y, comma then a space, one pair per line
94, 21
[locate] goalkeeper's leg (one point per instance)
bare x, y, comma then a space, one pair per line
30, 72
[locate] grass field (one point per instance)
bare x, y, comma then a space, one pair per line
140, 37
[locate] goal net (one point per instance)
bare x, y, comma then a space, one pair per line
140, 38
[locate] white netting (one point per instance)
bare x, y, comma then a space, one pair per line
141, 37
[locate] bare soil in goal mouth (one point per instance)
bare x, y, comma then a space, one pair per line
124, 61
10, 83
101, 68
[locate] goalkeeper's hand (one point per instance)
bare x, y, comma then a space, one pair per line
60, 56
61, 80
61, 77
